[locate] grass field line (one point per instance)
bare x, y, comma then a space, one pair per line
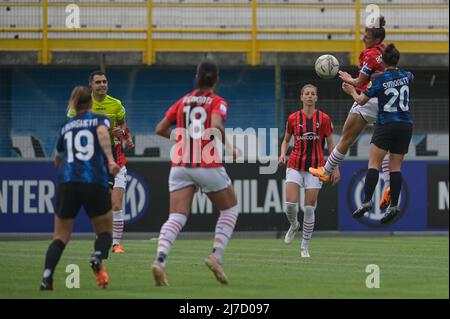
181, 259
255, 253
251, 251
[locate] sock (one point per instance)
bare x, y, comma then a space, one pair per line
291, 213
102, 245
224, 230
54, 252
308, 225
396, 186
117, 227
333, 160
370, 184
168, 234
385, 170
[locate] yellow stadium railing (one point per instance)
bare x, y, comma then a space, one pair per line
150, 45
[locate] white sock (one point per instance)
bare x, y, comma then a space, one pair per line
308, 225
168, 234
224, 230
117, 227
385, 169
333, 160
291, 213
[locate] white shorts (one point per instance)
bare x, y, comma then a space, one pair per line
207, 179
368, 111
303, 179
120, 181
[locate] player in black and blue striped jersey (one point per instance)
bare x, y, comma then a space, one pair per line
393, 131
84, 158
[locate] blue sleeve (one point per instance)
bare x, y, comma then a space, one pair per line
410, 76
60, 144
372, 90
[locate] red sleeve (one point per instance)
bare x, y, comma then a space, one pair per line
327, 126
289, 126
171, 113
220, 107
370, 63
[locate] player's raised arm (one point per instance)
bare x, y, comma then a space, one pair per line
361, 80
361, 99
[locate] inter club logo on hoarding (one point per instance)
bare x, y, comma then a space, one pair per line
355, 197
136, 199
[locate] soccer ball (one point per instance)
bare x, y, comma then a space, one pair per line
327, 66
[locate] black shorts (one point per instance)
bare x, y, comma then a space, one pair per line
393, 137
95, 198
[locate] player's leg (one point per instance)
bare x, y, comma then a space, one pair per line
217, 185
120, 182
97, 203
293, 183
395, 164
103, 228
182, 191
62, 233
401, 135
376, 158
312, 189
385, 200
67, 207
225, 200
355, 123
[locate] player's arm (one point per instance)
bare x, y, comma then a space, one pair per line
336, 175
217, 123
284, 147
105, 143
59, 151
123, 130
361, 99
164, 128
361, 80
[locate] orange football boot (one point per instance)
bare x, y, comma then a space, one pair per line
320, 173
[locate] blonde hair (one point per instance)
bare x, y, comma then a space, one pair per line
80, 99
308, 86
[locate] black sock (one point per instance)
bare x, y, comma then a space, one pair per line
102, 245
370, 184
396, 186
54, 252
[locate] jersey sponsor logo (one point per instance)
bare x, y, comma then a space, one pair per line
310, 136
137, 198
355, 197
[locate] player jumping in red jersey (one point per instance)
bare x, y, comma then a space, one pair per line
370, 62
310, 127
196, 163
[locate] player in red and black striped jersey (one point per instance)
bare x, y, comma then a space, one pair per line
196, 163
310, 128
370, 62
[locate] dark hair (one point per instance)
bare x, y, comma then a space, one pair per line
378, 32
80, 99
91, 76
308, 86
391, 55
207, 74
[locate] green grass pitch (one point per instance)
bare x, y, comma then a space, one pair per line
410, 267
